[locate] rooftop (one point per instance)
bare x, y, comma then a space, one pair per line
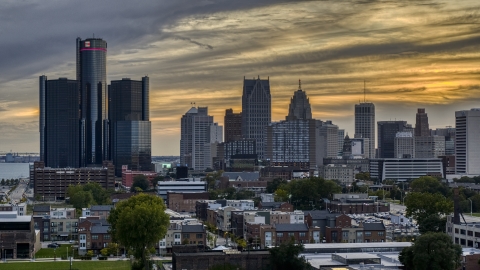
101, 207
291, 227
193, 229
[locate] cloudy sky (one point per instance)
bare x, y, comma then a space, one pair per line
411, 53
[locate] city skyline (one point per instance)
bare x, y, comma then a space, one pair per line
412, 55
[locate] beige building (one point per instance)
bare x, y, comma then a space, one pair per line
345, 174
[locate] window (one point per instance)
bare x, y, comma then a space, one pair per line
199, 236
94, 236
290, 234
279, 234
470, 233
106, 236
177, 236
302, 234
186, 235
368, 234
380, 233
83, 237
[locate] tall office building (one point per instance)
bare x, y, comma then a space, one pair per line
387, 130
42, 80
328, 139
421, 125
92, 76
130, 128
233, 125
195, 126
61, 116
404, 145
365, 124
341, 141
256, 111
299, 105
467, 142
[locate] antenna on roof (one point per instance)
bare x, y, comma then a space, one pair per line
299, 84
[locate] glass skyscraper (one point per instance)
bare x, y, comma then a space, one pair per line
92, 76
130, 128
61, 114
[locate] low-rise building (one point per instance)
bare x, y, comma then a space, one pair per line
275, 206
101, 211
18, 236
129, 175
93, 235
181, 185
366, 232
185, 201
345, 174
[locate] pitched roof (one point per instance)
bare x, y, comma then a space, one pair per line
41, 208
101, 207
374, 226
302, 227
320, 214
100, 229
193, 228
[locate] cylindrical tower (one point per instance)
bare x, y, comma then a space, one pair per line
92, 62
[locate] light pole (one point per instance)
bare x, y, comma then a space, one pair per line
471, 207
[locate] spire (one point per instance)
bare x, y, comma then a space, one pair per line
299, 84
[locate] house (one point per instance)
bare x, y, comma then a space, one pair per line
93, 235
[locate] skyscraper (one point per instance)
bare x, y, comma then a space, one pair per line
299, 105
467, 142
365, 124
130, 128
256, 111
92, 75
233, 125
421, 125
41, 123
195, 127
61, 115
387, 130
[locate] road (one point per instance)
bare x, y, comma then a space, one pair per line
17, 194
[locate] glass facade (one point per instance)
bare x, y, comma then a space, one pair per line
62, 123
92, 75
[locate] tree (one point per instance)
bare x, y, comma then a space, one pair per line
365, 176
433, 223
139, 223
82, 199
281, 195
140, 181
158, 178
422, 205
430, 185
286, 257
212, 178
432, 251
83, 196
273, 186
2, 182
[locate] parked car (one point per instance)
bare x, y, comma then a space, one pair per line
53, 245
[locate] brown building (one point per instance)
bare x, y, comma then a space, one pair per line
366, 232
264, 235
17, 236
255, 186
194, 234
276, 206
51, 183
448, 163
284, 173
185, 201
193, 257
93, 235
233, 125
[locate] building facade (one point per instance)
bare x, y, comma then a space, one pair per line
91, 58
387, 130
405, 169
467, 142
233, 125
299, 105
256, 111
365, 124
130, 129
404, 145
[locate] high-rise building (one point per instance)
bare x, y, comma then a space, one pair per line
233, 125
92, 76
429, 146
61, 117
421, 125
449, 134
365, 124
130, 128
299, 105
195, 126
41, 123
387, 130
295, 141
256, 111
467, 142
404, 145
341, 141
328, 139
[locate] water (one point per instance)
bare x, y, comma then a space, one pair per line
14, 170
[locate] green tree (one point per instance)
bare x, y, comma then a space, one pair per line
281, 195
286, 257
421, 205
365, 176
2, 182
212, 178
432, 251
433, 223
139, 223
158, 178
274, 184
82, 199
140, 181
430, 185
7, 182
100, 195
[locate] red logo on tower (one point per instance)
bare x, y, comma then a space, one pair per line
87, 44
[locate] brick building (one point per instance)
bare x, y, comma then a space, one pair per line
185, 201
17, 236
366, 232
93, 235
276, 206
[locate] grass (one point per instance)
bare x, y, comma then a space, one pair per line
65, 265
52, 252
474, 214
